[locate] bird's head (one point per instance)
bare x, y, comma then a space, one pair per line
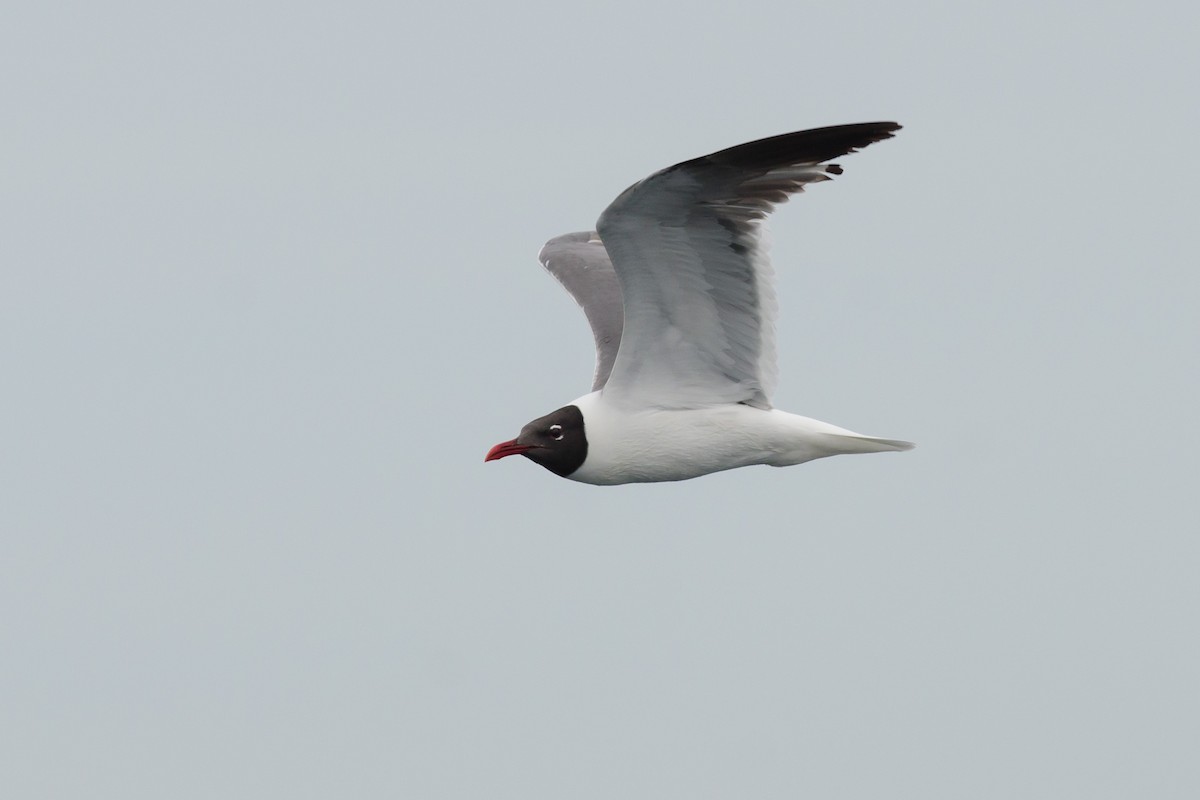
556, 441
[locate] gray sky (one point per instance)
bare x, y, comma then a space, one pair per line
268, 294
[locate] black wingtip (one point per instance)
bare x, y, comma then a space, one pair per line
815, 145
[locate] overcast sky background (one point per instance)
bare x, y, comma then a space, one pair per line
268, 293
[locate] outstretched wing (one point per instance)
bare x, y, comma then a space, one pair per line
580, 263
686, 246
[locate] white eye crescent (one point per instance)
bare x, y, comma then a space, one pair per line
556, 433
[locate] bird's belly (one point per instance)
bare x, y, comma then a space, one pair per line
671, 445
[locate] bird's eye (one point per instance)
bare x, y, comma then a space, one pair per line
556, 433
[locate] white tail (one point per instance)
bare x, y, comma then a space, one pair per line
855, 443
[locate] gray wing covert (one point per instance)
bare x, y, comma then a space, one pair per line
580, 263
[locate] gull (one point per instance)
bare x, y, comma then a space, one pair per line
677, 287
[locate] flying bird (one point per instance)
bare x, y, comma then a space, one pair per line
677, 287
